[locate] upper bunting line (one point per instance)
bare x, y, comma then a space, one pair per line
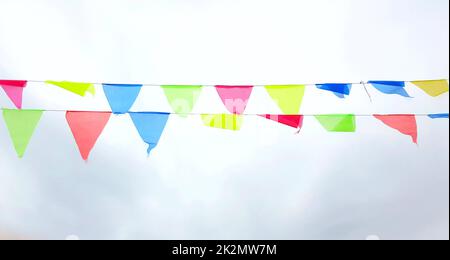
362, 83
121, 97
199, 114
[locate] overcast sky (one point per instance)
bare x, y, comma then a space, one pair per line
264, 182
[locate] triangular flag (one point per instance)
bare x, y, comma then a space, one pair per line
295, 121
14, 90
21, 125
405, 124
150, 127
340, 90
438, 116
121, 97
390, 87
86, 128
182, 99
223, 121
235, 98
288, 97
337, 123
433, 88
78, 88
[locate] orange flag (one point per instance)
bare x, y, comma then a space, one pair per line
86, 128
405, 124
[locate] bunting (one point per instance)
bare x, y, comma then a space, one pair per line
288, 97
121, 97
337, 123
391, 87
14, 90
21, 125
182, 99
86, 128
405, 124
150, 127
223, 121
294, 121
433, 88
75, 87
340, 90
235, 98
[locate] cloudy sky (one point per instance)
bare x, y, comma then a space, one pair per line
264, 182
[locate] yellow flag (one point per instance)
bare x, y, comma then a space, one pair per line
223, 121
433, 88
288, 97
74, 87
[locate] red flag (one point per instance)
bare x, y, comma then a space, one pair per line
14, 90
295, 121
86, 128
406, 124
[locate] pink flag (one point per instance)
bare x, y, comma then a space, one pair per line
235, 98
406, 124
14, 90
86, 128
295, 121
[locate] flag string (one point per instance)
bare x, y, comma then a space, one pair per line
244, 114
359, 83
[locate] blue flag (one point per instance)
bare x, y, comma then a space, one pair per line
340, 90
391, 87
150, 126
121, 97
438, 116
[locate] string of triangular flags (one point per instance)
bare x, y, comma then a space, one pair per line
87, 126
124, 95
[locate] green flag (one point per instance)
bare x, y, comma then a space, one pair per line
74, 87
288, 97
337, 123
21, 125
182, 99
